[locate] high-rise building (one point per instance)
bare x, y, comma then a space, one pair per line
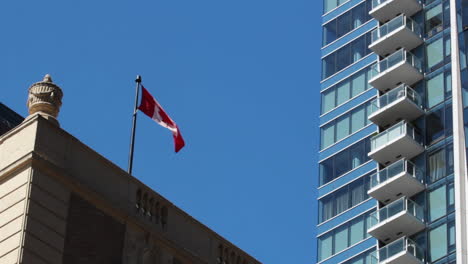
392, 162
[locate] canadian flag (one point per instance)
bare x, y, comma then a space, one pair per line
153, 109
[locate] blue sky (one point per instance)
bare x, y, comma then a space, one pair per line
241, 79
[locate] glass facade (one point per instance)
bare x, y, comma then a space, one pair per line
422, 184
346, 22
346, 55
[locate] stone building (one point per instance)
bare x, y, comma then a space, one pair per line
62, 202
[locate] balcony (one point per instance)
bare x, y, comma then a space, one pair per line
402, 178
400, 32
401, 103
399, 141
402, 251
384, 10
400, 67
402, 217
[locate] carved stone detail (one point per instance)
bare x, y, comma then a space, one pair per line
45, 97
140, 248
150, 252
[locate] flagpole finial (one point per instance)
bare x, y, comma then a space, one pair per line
138, 79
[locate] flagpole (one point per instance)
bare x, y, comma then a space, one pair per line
132, 140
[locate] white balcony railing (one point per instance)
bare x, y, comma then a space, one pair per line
402, 251
402, 217
386, 137
400, 32
401, 178
399, 141
400, 103
400, 67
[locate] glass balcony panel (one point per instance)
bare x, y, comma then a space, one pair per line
399, 141
393, 60
395, 248
395, 132
399, 67
402, 217
401, 178
387, 136
383, 30
400, 103
395, 169
403, 250
379, 141
400, 32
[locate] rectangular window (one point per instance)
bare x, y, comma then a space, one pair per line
358, 155
327, 208
437, 165
359, 15
368, 75
329, 32
438, 242
328, 65
344, 24
434, 20
451, 236
358, 119
359, 83
451, 197
325, 246
358, 193
344, 161
448, 84
437, 203
342, 127
435, 125
368, 112
329, 5
358, 49
356, 231
447, 47
435, 90
342, 92
328, 135
435, 53
326, 171
345, 56
328, 100
341, 239
448, 120
449, 158
343, 199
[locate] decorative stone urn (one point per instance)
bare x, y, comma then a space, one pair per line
45, 98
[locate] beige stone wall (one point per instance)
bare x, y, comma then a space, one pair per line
13, 193
46, 219
55, 164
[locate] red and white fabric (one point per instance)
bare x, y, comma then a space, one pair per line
153, 109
